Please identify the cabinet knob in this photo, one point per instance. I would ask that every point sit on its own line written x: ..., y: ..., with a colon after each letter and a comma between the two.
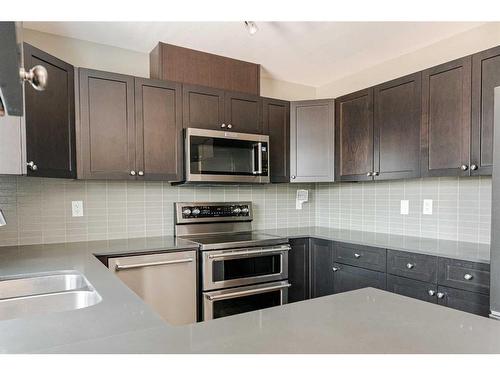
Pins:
x: 335, y: 269
x: 32, y: 165
x: 140, y: 173
x: 223, y: 126
x: 440, y: 295
x: 369, y: 174
x: 375, y: 173
x: 356, y: 255
x: 464, y: 167
x: 229, y: 126
x: 431, y: 292
x: 132, y: 173
x: 410, y: 266
x: 293, y: 177
x: 36, y: 76
x: 473, y: 167
x: 468, y: 276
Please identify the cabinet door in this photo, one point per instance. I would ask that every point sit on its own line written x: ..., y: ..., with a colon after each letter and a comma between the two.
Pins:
x: 158, y: 113
x: 276, y: 124
x: 485, y: 77
x: 348, y: 278
x: 298, y: 270
x: 322, y: 258
x: 412, y: 288
x: 397, y: 106
x: 446, y: 119
x: 474, y: 303
x: 50, y: 118
x: 354, y: 136
x: 312, y: 141
x: 107, y: 125
x: 203, y: 107
x: 243, y: 113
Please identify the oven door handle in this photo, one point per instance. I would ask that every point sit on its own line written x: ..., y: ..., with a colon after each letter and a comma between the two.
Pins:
x: 246, y: 292
x: 250, y: 252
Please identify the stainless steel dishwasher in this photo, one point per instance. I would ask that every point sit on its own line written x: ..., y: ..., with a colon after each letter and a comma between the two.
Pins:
x: 166, y: 282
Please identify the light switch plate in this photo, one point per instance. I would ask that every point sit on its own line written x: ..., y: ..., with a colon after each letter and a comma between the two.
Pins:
x: 427, y: 210
x: 77, y: 208
x: 405, y: 207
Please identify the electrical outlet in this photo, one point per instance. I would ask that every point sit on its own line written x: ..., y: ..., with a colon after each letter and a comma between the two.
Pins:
x: 77, y: 208
x: 405, y: 207
x: 427, y: 207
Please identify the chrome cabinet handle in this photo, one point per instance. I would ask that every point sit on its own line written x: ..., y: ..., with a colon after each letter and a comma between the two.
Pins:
x: 410, y: 266
x: 119, y: 267
x: 431, y: 292
x: 132, y: 173
x: 140, y: 173
x: 335, y: 269
x: 229, y: 126
x: 464, y: 167
x: 376, y: 173
x: 250, y: 252
x: 473, y: 167
x: 293, y: 177
x: 246, y: 292
x: 36, y: 76
x: 468, y: 276
x: 356, y: 255
x: 369, y: 174
x: 32, y: 165
x: 440, y: 295
x: 223, y: 126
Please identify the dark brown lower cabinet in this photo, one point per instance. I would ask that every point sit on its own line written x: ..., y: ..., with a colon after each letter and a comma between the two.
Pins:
x: 412, y: 288
x: 298, y: 270
x: 475, y: 303
x: 322, y: 259
x: 346, y: 278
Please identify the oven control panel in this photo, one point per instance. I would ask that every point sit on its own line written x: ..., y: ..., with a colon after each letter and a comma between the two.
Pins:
x: 230, y: 211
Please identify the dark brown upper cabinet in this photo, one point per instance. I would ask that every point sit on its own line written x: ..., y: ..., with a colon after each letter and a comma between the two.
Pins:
x: 158, y: 126
x: 130, y: 128
x: 50, y: 118
x: 485, y: 77
x: 107, y: 125
x: 276, y: 124
x: 243, y: 113
x: 446, y: 119
x: 397, y: 115
x: 203, y: 107
x: 174, y: 63
x: 354, y: 136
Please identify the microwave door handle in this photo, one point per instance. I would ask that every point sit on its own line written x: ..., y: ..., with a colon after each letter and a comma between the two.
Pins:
x: 259, y: 157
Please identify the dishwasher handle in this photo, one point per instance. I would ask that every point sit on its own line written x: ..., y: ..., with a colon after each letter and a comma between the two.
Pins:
x: 119, y: 267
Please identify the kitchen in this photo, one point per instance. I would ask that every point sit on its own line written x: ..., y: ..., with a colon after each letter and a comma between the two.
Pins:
x: 179, y: 200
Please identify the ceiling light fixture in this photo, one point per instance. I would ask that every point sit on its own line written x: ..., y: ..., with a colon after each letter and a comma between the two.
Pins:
x: 251, y: 27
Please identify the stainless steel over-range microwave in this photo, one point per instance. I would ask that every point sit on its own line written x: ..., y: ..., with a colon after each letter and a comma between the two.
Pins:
x: 222, y: 156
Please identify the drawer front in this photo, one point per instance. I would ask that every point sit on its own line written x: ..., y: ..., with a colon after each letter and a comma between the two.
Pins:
x: 346, y: 278
x: 361, y: 256
x: 474, y: 303
x: 474, y: 277
x: 414, y: 266
x: 412, y: 288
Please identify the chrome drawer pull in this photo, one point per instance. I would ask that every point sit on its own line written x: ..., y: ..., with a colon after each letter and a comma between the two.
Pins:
x: 140, y: 265
x: 335, y: 269
x: 247, y: 292
x: 250, y: 252
x: 356, y: 255
x: 410, y: 266
x: 431, y: 292
x: 468, y: 276
x: 440, y: 295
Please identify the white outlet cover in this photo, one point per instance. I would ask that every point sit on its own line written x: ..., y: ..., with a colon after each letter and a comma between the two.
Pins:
x: 427, y: 207
x: 77, y: 208
x: 405, y: 207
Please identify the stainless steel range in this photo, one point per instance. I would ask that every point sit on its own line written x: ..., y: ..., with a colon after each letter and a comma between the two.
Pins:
x: 240, y: 270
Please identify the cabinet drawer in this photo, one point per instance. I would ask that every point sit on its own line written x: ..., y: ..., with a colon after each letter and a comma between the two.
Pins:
x: 414, y: 266
x: 474, y: 303
x: 412, y: 288
x: 460, y: 274
x: 346, y: 278
x: 361, y: 256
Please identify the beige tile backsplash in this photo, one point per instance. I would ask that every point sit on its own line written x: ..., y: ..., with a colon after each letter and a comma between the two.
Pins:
x: 38, y: 210
x: 461, y: 207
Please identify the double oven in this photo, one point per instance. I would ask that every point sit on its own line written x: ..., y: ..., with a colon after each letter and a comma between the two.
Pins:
x: 239, y: 270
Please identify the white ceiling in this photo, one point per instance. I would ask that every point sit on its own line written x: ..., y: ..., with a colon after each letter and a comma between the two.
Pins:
x: 310, y: 53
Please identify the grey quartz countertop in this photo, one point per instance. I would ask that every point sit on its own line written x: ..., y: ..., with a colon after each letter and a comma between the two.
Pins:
x: 474, y: 252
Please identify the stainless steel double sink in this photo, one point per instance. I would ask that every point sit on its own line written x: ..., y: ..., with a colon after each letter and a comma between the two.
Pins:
x: 33, y: 294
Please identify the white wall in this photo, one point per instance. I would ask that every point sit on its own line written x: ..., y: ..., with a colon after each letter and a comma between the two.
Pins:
x: 468, y: 42
x: 103, y: 57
